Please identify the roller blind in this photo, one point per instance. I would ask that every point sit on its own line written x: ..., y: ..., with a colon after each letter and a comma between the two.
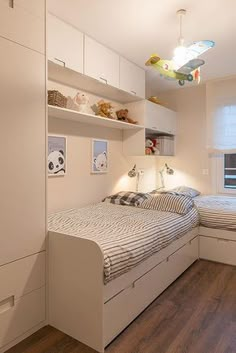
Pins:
x: 221, y: 115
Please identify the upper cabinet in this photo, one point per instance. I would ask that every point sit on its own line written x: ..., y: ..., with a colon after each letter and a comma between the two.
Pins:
x: 160, y: 125
x: 101, y: 63
x: 159, y: 118
x: 132, y: 78
x: 65, y: 44
x: 112, y: 76
x: 23, y: 21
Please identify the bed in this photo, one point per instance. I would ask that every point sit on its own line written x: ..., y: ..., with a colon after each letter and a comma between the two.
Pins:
x: 217, y: 229
x: 103, y: 256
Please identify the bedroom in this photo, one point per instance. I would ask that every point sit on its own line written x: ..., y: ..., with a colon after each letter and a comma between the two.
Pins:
x: 69, y: 157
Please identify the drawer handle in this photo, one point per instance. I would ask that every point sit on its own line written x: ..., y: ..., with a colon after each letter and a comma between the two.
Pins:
x: 133, y: 92
x: 103, y: 79
x: 222, y: 240
x: 61, y: 61
x: 7, y: 304
x: 11, y: 4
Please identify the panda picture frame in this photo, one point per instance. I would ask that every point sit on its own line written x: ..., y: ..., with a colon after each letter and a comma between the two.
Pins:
x: 57, y: 155
x: 100, y: 152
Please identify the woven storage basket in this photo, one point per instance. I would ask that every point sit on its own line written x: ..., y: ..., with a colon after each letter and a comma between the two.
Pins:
x: 57, y: 99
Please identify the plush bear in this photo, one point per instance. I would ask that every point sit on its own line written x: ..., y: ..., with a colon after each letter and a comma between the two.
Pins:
x: 56, y: 162
x: 122, y: 115
x: 149, y: 147
x: 100, y: 162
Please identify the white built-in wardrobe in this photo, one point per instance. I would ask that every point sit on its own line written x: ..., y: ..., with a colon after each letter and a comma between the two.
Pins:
x: 22, y: 178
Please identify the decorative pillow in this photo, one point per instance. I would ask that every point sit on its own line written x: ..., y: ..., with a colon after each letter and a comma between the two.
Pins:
x: 127, y: 198
x: 169, y: 203
x: 184, y: 190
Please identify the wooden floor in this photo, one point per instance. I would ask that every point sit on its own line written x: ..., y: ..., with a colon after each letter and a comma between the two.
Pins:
x: 196, y: 314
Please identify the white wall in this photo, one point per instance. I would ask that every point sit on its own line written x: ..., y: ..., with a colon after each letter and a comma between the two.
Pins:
x: 191, y: 154
x: 79, y: 187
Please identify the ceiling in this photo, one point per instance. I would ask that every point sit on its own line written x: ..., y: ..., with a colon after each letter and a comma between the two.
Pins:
x: 138, y: 28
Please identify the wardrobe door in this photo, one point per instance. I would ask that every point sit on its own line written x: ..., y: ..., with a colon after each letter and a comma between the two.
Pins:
x: 22, y: 146
x: 23, y: 21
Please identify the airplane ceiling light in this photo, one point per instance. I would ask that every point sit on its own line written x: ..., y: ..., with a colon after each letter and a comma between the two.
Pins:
x: 185, y: 65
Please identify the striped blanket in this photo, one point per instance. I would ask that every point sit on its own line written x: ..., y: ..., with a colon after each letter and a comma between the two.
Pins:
x: 217, y: 211
x: 127, y: 235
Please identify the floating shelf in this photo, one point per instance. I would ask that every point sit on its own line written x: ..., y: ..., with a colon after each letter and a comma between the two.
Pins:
x: 67, y: 114
x: 77, y: 80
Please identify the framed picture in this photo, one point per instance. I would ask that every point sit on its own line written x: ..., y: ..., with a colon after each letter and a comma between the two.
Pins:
x: 57, y: 149
x: 99, y: 156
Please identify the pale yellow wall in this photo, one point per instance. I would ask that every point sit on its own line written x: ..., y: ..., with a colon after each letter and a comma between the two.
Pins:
x: 191, y: 153
x: 79, y: 187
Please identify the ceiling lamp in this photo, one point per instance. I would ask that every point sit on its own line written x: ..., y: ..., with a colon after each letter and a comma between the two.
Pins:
x: 180, y: 51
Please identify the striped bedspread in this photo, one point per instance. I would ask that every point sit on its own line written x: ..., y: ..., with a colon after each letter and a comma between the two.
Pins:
x: 127, y: 235
x: 217, y: 211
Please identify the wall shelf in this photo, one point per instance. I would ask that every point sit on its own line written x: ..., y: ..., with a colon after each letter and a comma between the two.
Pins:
x: 67, y: 114
x: 80, y: 81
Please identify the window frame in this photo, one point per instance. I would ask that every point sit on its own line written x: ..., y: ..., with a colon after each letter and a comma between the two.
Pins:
x: 220, y: 175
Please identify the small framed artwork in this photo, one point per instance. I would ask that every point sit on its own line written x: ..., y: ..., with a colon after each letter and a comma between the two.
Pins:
x: 57, y: 149
x: 99, y: 156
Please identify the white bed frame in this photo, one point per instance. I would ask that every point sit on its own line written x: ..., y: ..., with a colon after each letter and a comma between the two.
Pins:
x: 93, y: 313
x: 217, y: 245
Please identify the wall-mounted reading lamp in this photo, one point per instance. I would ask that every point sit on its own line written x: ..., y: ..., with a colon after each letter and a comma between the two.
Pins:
x: 168, y: 171
x: 135, y: 173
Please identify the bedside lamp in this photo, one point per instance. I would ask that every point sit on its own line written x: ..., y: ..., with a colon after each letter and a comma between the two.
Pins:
x: 168, y: 171
x: 135, y: 173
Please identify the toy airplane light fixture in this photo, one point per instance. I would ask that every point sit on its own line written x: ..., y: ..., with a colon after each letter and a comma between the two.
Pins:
x: 185, y: 65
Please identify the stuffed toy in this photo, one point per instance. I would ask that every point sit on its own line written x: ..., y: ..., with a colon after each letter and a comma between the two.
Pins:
x: 80, y: 103
x: 149, y: 147
x: 155, y: 146
x: 103, y: 109
x: 122, y: 115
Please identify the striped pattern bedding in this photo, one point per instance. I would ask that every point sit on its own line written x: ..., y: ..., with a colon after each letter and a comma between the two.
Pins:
x: 127, y: 235
x: 217, y: 211
x: 169, y: 203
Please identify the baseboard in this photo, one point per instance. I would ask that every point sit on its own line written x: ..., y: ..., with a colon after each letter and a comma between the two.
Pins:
x: 22, y: 337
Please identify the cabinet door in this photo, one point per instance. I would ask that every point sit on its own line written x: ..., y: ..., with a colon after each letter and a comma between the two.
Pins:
x: 65, y: 44
x: 160, y: 118
x: 101, y: 63
x: 22, y: 146
x: 23, y: 21
x: 132, y: 78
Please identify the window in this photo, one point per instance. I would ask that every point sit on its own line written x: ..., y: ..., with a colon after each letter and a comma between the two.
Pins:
x: 230, y: 171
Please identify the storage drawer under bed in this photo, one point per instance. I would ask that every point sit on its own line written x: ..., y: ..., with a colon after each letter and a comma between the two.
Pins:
x: 122, y: 309
x: 217, y: 249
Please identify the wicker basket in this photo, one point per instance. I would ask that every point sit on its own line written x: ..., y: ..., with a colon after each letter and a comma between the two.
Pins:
x: 57, y: 99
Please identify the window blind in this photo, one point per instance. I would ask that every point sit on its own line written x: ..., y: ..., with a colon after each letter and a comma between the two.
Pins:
x: 221, y: 115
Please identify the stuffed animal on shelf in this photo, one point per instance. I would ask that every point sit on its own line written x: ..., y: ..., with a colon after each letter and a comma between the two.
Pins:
x: 156, y: 146
x: 122, y: 115
x: 103, y: 109
x: 149, y: 147
x: 80, y: 103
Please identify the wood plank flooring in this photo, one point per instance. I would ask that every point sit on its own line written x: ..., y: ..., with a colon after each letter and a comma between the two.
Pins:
x: 196, y: 314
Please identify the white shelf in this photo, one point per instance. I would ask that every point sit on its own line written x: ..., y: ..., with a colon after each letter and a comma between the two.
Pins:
x: 67, y: 114
x: 77, y: 80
